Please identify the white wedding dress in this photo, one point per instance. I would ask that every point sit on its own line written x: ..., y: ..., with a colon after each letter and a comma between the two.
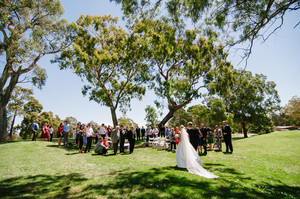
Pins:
x: 187, y: 157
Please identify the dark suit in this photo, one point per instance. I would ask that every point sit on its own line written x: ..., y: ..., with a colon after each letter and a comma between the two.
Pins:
x: 138, y: 133
x: 194, y: 136
x: 131, y: 139
x: 226, y: 130
x: 203, y: 138
x: 162, y: 131
x: 122, y: 139
x: 143, y: 130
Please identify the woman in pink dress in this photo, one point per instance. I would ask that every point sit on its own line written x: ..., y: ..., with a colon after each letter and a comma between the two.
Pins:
x: 45, y: 132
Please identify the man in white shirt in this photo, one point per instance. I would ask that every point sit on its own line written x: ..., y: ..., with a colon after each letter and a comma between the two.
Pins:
x: 155, y: 131
x: 89, y: 136
x: 102, y: 131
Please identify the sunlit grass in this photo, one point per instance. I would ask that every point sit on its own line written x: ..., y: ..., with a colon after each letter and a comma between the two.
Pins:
x: 265, y: 166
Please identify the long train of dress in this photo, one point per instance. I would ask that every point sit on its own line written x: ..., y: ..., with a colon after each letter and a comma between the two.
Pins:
x: 187, y: 157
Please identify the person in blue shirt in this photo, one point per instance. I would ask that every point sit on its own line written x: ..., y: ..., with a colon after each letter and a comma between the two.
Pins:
x: 168, y: 131
x: 66, y: 129
x: 35, y: 129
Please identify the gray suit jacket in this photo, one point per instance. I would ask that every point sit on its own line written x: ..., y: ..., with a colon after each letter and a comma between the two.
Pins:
x: 114, y: 136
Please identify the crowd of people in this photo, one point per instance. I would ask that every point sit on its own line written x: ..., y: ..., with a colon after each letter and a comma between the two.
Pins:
x: 203, y: 139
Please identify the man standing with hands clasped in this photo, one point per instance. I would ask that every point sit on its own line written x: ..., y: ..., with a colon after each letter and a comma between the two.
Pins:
x: 226, y: 130
x: 66, y: 129
x: 115, y: 134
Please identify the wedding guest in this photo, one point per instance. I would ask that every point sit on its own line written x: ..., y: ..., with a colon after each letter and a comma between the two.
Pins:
x: 200, y: 144
x: 177, y: 134
x: 50, y: 132
x: 155, y: 132
x: 109, y: 131
x: 204, y: 135
x: 100, y: 148
x: 193, y: 135
x: 168, y: 132
x: 218, y: 142
x: 115, y: 135
x: 138, y: 133
x: 226, y: 130
x: 127, y: 129
x: 122, y: 138
x: 89, y: 136
x: 84, y: 135
x: 148, y: 133
x: 210, y: 137
x: 77, y: 133
x: 143, y: 131
x: 60, y: 134
x: 102, y: 131
x: 35, y: 129
x: 97, y: 135
x: 74, y: 135
x: 106, y: 132
x: 105, y: 142
x: 81, y: 131
x: 45, y: 132
x: 172, y: 139
x: 162, y: 131
x: 66, y: 129
x: 131, y: 139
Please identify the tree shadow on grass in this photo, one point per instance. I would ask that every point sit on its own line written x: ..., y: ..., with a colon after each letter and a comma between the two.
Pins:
x: 161, y: 183
x: 165, y: 182
x: 67, y: 148
x: 46, y: 186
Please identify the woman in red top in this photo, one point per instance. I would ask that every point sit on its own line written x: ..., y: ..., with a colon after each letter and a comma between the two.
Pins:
x: 60, y: 133
x: 177, y: 133
x: 45, y: 132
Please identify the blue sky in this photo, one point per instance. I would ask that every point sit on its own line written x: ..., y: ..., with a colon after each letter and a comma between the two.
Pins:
x: 278, y: 59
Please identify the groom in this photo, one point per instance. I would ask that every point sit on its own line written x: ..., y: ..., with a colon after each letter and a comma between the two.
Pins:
x: 194, y: 135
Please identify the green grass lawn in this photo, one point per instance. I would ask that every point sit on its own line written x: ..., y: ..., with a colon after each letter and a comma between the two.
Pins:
x: 264, y: 166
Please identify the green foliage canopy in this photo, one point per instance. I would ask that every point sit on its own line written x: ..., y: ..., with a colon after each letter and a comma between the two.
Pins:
x: 251, y: 100
x: 183, y: 64
x: 29, y: 30
x: 110, y: 59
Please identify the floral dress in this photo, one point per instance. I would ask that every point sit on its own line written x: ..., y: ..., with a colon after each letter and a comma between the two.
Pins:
x: 218, y: 142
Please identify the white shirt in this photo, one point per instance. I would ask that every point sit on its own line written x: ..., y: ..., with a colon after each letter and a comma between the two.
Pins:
x: 89, y: 131
x: 155, y: 130
x: 102, y: 130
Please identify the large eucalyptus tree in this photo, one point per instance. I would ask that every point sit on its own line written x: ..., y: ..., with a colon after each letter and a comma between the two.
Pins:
x: 29, y: 30
x: 111, y: 60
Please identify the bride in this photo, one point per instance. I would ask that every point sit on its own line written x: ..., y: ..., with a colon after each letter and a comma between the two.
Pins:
x: 187, y: 157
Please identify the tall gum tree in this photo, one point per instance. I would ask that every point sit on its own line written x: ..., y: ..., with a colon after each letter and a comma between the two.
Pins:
x: 251, y: 100
x: 111, y: 60
x: 183, y: 65
x: 29, y: 30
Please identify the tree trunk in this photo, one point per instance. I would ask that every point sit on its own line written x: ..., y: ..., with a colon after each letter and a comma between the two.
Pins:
x: 245, y: 130
x: 166, y: 118
x: 173, y: 107
x: 3, y: 122
x: 12, y: 125
x: 114, y: 116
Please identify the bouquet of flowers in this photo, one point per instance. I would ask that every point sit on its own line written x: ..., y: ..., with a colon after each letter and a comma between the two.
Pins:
x: 177, y: 136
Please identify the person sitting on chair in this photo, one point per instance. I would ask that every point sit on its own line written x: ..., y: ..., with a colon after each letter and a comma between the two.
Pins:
x: 100, y: 148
